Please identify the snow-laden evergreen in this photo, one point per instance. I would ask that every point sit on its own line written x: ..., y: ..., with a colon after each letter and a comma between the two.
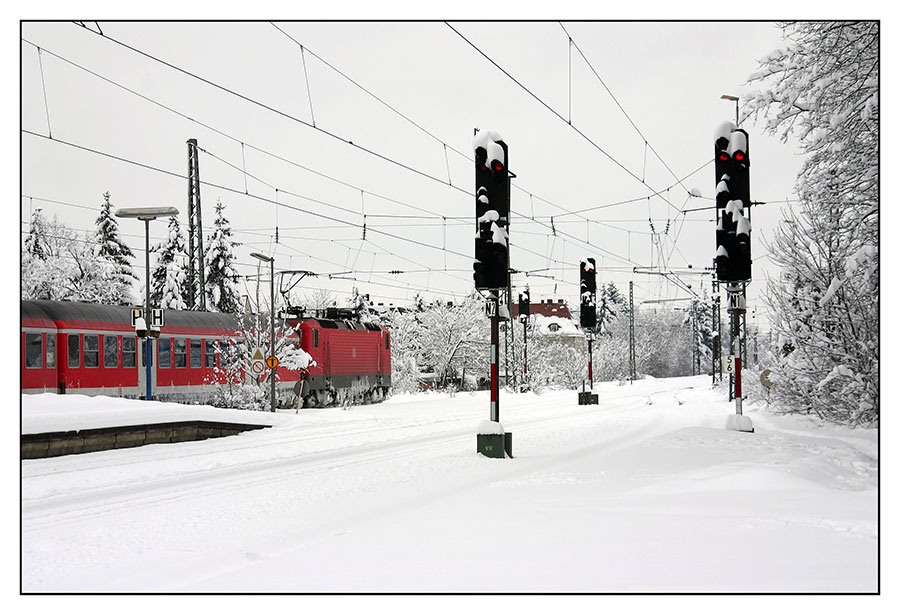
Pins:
x: 222, y: 279
x: 168, y: 282
x: 115, y: 258
x: 822, y: 90
x: 59, y: 265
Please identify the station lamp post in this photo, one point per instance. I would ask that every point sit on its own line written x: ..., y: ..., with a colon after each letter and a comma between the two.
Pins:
x: 147, y: 214
x: 735, y: 99
x: 271, y: 261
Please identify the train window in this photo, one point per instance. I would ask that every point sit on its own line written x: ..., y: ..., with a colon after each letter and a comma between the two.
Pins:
x: 51, y: 350
x: 196, y: 359
x: 74, y: 351
x: 315, y: 338
x: 387, y: 341
x: 180, y: 353
x: 110, y: 351
x: 128, y: 351
x: 34, y: 350
x: 92, y: 351
x: 164, y: 347
x: 210, y: 354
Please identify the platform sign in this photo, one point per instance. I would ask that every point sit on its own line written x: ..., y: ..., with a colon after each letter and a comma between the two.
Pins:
x: 157, y: 317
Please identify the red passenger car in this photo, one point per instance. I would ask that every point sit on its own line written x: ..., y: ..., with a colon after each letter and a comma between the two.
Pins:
x: 91, y: 349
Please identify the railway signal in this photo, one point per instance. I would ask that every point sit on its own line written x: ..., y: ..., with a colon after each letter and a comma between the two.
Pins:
x: 588, y: 274
x: 491, y: 211
x: 588, y: 293
x: 732, y: 168
x: 491, y: 266
x: 733, y: 266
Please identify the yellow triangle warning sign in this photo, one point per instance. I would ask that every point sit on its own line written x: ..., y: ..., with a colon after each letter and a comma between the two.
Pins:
x: 258, y: 355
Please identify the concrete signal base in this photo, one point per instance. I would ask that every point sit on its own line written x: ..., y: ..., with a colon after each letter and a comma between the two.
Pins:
x: 739, y: 422
x: 496, y: 445
x: 586, y: 398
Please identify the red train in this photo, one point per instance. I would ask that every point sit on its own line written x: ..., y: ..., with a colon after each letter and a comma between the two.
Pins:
x: 91, y: 349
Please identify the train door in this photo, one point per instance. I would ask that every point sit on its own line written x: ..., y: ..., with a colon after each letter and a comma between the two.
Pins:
x: 142, y: 370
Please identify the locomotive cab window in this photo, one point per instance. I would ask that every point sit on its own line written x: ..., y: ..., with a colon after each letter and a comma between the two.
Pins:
x: 34, y: 350
x: 315, y: 338
x: 128, y: 352
x: 92, y: 351
x: 74, y: 351
x: 110, y: 351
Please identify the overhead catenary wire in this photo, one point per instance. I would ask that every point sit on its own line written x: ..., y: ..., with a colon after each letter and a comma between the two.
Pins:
x: 302, y: 122
x: 575, y: 239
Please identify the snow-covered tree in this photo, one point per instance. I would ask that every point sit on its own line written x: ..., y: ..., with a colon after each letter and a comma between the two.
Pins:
x: 611, y: 304
x: 451, y: 336
x: 222, y: 279
x: 115, y: 258
x: 316, y: 301
x: 37, y: 242
x: 236, y: 386
x: 448, y: 340
x: 823, y: 91
x: 59, y: 265
x: 168, y: 282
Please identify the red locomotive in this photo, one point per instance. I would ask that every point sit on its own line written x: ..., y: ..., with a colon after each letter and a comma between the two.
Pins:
x: 91, y: 349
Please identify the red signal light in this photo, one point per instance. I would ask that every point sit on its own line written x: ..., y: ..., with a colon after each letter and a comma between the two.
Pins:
x: 739, y: 156
x: 723, y: 156
x: 498, y: 166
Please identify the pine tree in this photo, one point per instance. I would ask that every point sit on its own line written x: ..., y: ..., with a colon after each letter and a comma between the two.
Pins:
x: 115, y: 258
x: 222, y: 279
x: 168, y: 282
x: 36, y: 243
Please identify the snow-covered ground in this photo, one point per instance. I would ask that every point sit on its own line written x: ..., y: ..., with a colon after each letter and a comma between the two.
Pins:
x: 646, y: 492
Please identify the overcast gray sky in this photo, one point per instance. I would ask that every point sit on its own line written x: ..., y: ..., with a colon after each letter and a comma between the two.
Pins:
x: 601, y: 134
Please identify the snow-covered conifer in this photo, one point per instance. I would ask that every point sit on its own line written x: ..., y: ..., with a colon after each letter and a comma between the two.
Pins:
x: 171, y: 256
x: 222, y: 279
x: 115, y: 257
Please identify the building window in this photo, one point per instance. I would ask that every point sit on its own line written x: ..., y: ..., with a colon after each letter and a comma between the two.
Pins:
x: 315, y: 338
x: 34, y: 350
x: 74, y: 351
x: 196, y: 358
x: 110, y: 351
x: 387, y: 341
x: 51, y: 350
x: 180, y: 352
x: 92, y: 351
x: 165, y: 352
x: 553, y: 327
x: 128, y: 352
